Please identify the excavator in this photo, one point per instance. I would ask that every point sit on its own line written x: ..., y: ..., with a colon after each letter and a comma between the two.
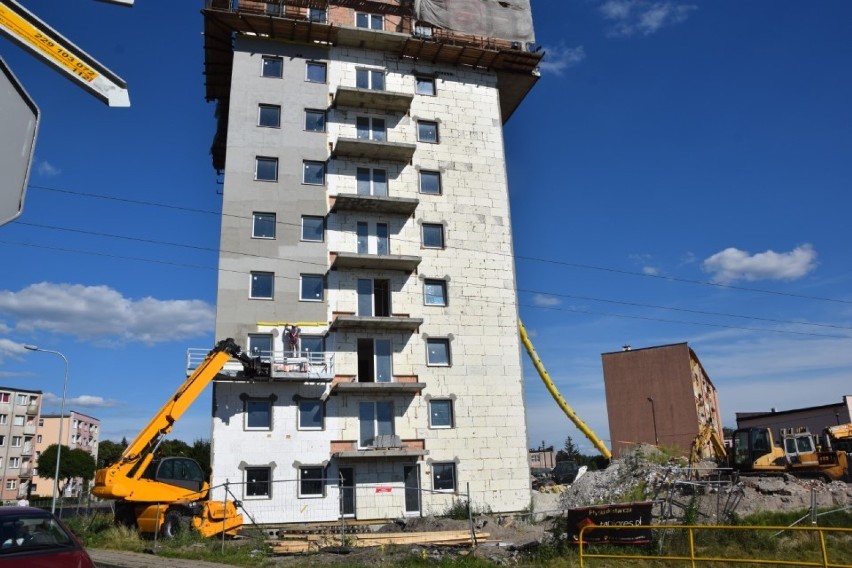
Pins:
x: 156, y: 494
x: 755, y: 452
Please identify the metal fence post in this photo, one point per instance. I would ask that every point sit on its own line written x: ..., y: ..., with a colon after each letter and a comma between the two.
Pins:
x: 156, y: 525
x: 470, y: 517
x: 224, y: 512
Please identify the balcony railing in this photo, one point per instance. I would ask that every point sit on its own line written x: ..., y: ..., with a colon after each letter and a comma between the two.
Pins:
x: 295, y: 365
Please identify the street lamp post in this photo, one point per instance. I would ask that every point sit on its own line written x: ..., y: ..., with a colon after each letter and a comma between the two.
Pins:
x: 654, y: 418
x: 61, y: 418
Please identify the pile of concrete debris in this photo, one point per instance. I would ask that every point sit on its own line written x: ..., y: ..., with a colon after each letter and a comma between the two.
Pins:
x: 645, y: 474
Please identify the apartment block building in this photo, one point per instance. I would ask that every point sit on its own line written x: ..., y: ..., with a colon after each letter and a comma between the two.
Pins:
x: 659, y: 395
x: 19, y: 415
x: 79, y: 431
x: 366, y: 254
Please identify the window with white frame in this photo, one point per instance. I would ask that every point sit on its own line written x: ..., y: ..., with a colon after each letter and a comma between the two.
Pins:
x: 430, y: 182
x: 272, y: 66
x: 372, y: 238
x: 262, y: 285
x: 258, y: 414
x: 370, y: 128
x: 372, y: 181
x: 423, y: 31
x: 311, y: 414
x: 444, y: 476
x: 427, y: 131
x: 314, y: 120
x: 21, y: 399
x: 313, y: 228
x: 266, y: 168
x: 313, y: 173
x: 441, y: 413
x: 17, y: 420
x: 433, y: 235
x: 260, y: 345
x: 369, y: 21
x: 434, y: 292
x: 269, y: 116
x: 315, y: 72
x: 375, y: 418
x: 263, y: 225
x: 311, y: 483
x: 5, y: 418
x: 14, y: 462
x: 38, y: 439
x: 11, y: 484
x: 373, y: 79
x: 258, y: 482
x: 311, y: 288
x: 17, y: 441
x: 438, y: 352
x: 424, y: 85
x: 4, y: 397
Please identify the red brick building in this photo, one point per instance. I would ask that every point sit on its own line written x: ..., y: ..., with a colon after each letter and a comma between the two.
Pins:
x: 658, y: 395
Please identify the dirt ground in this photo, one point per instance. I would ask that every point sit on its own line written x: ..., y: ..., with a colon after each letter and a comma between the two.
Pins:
x: 638, y: 476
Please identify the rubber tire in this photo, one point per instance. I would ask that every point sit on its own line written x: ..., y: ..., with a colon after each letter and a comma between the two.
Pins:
x: 174, y: 525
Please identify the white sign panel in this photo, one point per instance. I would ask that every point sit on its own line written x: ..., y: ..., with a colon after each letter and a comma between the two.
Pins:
x: 18, y: 127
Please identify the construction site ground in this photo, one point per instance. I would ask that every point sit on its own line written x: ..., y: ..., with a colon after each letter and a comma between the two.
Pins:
x: 505, y: 539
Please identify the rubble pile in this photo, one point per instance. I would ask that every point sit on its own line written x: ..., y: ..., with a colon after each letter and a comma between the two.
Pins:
x: 645, y: 474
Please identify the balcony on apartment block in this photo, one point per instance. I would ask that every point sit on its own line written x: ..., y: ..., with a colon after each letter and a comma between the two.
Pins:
x: 291, y: 365
x: 367, y: 149
x: 364, y: 261
x: 27, y: 450
x: 32, y: 409
x: 379, y: 204
x: 26, y: 470
x: 344, y: 321
x: 372, y: 99
x: 382, y: 446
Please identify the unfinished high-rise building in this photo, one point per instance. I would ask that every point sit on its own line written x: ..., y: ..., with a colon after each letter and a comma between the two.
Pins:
x: 366, y: 254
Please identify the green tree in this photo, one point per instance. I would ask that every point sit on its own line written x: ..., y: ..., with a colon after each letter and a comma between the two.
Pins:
x: 569, y: 451
x: 73, y: 463
x: 109, y: 452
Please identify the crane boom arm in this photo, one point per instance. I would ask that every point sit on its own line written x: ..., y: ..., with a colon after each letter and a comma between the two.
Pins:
x: 560, y: 400
x: 140, y: 452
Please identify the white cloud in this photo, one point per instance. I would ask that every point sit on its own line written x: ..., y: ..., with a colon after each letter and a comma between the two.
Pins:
x: 642, y: 17
x: 543, y: 300
x: 733, y: 264
x: 86, y: 400
x: 47, y: 169
x: 558, y: 59
x: 650, y: 270
x: 102, y: 313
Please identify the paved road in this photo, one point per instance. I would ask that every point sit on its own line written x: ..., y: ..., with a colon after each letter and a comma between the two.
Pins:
x: 119, y: 559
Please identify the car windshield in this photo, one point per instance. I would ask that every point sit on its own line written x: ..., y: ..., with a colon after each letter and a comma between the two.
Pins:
x: 30, y: 531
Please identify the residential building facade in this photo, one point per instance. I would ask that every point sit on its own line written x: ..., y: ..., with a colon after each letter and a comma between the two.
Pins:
x: 79, y: 431
x: 366, y: 254
x: 658, y: 395
x: 19, y: 415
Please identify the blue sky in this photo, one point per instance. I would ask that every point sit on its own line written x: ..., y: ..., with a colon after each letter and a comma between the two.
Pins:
x: 681, y: 172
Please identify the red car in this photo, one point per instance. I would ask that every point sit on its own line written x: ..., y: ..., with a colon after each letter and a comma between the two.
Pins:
x: 34, y: 538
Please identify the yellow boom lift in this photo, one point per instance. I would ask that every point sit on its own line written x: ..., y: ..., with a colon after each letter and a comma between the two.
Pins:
x: 155, y: 494
x: 560, y: 400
